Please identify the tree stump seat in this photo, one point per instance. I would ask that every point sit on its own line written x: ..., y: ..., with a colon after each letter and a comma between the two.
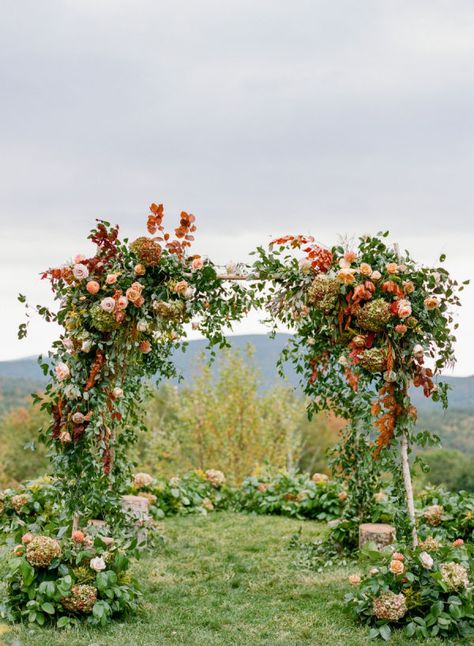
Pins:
x: 381, y: 534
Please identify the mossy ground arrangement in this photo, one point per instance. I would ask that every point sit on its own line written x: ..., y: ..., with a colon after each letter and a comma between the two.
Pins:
x: 227, y: 579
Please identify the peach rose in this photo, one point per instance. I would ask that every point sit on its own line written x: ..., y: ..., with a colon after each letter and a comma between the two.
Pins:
x: 350, y: 256
x: 432, y: 302
x: 396, y: 567
x: 365, y: 269
x: 27, y: 538
x: 181, y: 287
x: 140, y: 270
x: 111, y: 279
x: 92, y: 287
x: 403, y: 308
x: 65, y: 437
x: 197, y: 263
x: 408, y: 287
x: 401, y: 328
x: 397, y: 556
x: 458, y: 542
x: 391, y: 267
x: 354, y: 579
x: 346, y: 276
x: 133, y: 294
x: 376, y: 275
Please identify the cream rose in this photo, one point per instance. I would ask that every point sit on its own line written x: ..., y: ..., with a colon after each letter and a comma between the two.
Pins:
x: 426, y: 560
x: 108, y: 304
x: 80, y: 271
x: 62, y: 371
x: 97, y: 564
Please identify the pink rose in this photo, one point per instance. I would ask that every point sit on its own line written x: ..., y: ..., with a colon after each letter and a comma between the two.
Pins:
x: 79, y: 258
x: 92, y: 287
x: 111, y: 279
x: 77, y: 418
x: 122, y: 302
x: 458, y: 542
x: 197, y: 263
x: 80, y: 271
x: 403, y: 308
x: 108, y: 304
x: 27, y: 538
x: 375, y: 275
x: 62, y: 371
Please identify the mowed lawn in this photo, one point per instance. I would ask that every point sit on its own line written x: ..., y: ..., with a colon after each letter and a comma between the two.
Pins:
x: 226, y: 579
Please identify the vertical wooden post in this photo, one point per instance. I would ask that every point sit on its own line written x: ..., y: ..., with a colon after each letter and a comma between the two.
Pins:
x: 408, y: 485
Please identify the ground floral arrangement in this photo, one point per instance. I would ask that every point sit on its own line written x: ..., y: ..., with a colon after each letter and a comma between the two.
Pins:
x: 84, y: 576
x: 367, y: 322
x: 427, y: 590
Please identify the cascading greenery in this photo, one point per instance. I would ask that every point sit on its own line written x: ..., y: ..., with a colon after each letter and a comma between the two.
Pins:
x: 123, y: 312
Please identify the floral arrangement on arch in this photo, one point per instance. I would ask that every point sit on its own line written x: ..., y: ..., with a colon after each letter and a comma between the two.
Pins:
x: 368, y: 323
x: 123, y: 311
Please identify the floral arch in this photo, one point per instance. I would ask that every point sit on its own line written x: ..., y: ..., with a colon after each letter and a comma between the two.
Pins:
x: 363, y: 320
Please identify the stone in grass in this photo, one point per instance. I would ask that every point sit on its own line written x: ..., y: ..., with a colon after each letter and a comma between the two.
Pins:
x: 380, y: 534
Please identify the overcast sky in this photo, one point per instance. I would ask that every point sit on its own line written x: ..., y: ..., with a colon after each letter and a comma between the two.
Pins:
x: 260, y: 117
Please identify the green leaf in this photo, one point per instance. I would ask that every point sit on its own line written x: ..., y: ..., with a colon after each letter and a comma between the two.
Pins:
x: 385, y: 632
x: 63, y: 621
x: 48, y: 607
x: 27, y: 573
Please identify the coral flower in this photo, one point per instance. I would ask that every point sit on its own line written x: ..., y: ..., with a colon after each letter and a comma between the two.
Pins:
x: 145, y: 347
x: 78, y: 536
x: 365, y: 269
x: 197, y: 263
x: 391, y: 267
x: 92, y: 287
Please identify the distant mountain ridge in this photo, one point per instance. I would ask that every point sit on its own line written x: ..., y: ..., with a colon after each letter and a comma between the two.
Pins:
x: 26, y: 372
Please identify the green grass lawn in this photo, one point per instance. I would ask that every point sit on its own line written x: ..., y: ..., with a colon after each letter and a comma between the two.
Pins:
x: 226, y: 579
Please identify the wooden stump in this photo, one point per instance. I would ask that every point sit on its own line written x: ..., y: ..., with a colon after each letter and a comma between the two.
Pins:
x: 137, y: 507
x: 379, y: 533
